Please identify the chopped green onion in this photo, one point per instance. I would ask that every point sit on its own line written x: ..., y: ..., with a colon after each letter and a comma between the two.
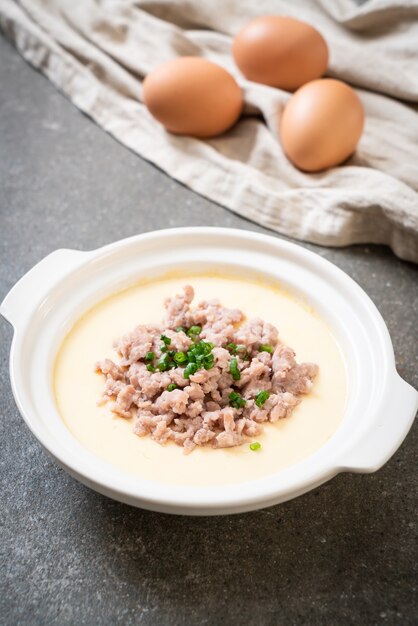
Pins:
x: 150, y: 356
x: 208, y: 361
x: 190, y: 369
x: 163, y: 348
x: 265, y: 347
x: 191, y: 356
x: 239, y: 349
x: 233, y: 368
x: 165, y: 339
x: 164, y: 363
x: 171, y: 387
x: 194, y: 331
x: 261, y: 398
x: 255, y: 446
x: 236, y: 401
x: 202, y: 347
x: 180, y: 358
x: 150, y: 368
x: 198, y: 356
x: 180, y: 329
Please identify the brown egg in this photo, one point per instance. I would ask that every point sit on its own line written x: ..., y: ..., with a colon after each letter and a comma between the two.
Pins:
x: 321, y: 124
x: 280, y: 51
x: 192, y: 96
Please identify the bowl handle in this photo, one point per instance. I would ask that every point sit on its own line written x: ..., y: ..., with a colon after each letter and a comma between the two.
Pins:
x: 389, y: 431
x: 34, y: 284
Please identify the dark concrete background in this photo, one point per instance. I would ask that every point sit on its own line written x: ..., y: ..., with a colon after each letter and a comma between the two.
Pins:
x: 343, y: 554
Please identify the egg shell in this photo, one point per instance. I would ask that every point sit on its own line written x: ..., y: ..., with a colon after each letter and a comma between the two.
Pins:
x: 321, y: 124
x: 193, y: 96
x: 280, y: 52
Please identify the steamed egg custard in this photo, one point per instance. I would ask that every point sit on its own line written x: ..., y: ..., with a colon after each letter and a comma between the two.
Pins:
x: 275, y: 446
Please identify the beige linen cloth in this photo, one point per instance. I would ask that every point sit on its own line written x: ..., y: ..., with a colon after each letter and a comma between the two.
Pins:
x: 97, y: 52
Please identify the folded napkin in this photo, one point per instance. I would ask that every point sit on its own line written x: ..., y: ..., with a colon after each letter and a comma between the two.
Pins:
x: 98, y: 51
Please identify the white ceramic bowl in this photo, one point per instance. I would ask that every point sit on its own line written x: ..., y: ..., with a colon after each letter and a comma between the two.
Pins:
x: 45, y: 303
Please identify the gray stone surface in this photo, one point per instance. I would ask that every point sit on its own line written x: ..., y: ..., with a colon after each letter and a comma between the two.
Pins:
x: 343, y: 554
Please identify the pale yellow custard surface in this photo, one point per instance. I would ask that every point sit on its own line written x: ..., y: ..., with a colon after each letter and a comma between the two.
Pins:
x: 78, y: 387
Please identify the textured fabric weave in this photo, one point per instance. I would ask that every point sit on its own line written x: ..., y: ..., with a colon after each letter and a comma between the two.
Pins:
x: 97, y: 52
